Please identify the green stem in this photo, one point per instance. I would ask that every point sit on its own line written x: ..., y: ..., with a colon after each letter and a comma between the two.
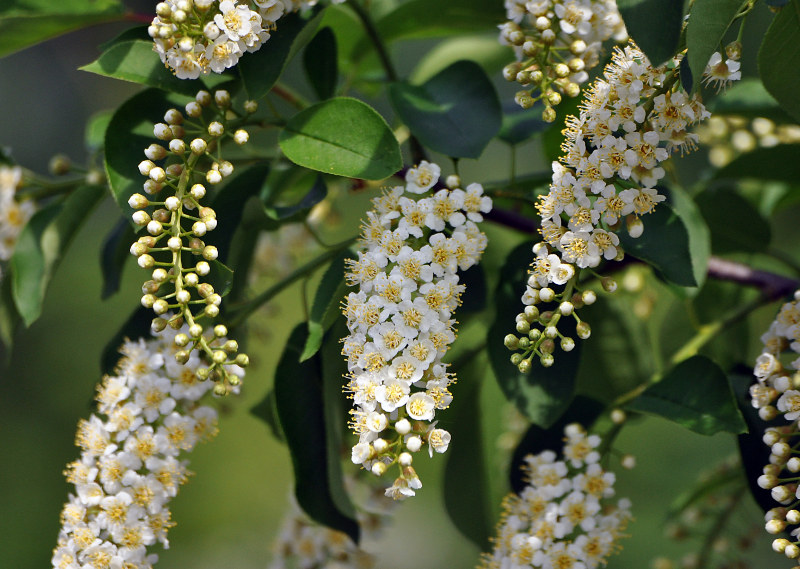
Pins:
x: 241, y: 313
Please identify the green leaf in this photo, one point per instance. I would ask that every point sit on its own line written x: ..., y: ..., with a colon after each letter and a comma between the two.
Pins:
x: 41, y: 245
x: 129, y: 132
x: 655, y: 26
x: 220, y: 277
x: 135, y: 61
x: 301, y: 409
x: 344, y: 137
x: 96, y: 130
x: 520, y: 124
x: 24, y: 23
x: 9, y: 321
x: 456, y: 112
x: 777, y: 163
x: 664, y: 245
x: 466, y: 486
x: 544, y: 394
x: 475, y: 297
x: 748, y: 98
x: 708, y: 22
x: 779, y: 55
x: 697, y: 230
x: 727, y: 214
x: 116, y: 250
x: 296, y: 212
x: 260, y: 70
x: 694, y: 394
x: 484, y: 50
x: 325, y: 308
x: 321, y: 64
x: 267, y: 411
x: 582, y: 410
x: 552, y: 137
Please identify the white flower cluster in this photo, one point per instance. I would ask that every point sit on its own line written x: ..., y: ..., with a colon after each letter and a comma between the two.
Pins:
x: 195, y: 37
x: 13, y: 214
x: 564, y: 518
x: 176, y: 223
x: 556, y: 42
x: 148, y: 414
x: 630, y: 122
x: 401, y: 321
x: 775, y: 394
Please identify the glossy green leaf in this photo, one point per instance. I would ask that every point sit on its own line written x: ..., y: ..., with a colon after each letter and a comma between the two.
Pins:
x: 115, y: 251
x: 301, y: 410
x: 696, y: 229
x: 543, y: 394
x: 41, y: 245
x: 326, y: 306
x: 777, y: 163
x: 779, y: 53
x: 344, y: 137
x: 708, y: 22
x: 734, y: 223
x: 321, y: 63
x: 129, y: 132
x: 521, y: 124
x: 655, y: 26
x: 664, y: 245
x: 456, y: 112
x: 466, y: 486
x: 582, y: 410
x: 297, y: 211
x: 484, y: 50
x: 220, y: 277
x: 135, y: 61
x: 748, y: 98
x: 96, y: 130
x: 694, y: 394
x: 260, y: 70
x: 24, y: 23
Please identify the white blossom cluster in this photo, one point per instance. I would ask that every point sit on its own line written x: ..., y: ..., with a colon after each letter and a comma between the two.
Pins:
x: 148, y: 414
x: 195, y: 37
x: 176, y: 223
x: 401, y: 319
x: 630, y: 122
x: 564, y: 517
x: 556, y: 42
x: 13, y: 214
x: 775, y: 394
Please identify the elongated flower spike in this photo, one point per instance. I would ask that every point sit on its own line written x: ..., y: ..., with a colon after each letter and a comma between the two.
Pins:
x: 187, y: 159
x: 401, y: 319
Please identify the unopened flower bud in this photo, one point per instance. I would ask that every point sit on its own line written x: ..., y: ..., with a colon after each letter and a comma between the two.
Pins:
x: 403, y: 426
x: 210, y: 253
x: 213, y: 177
x: 414, y: 443
x: 583, y: 330
x: 525, y: 366
x: 211, y: 310
x: 243, y: 360
x: 542, y: 23
x: 511, y: 342
x: 609, y: 284
x: 567, y: 344
x: 203, y: 97
x: 195, y: 330
x: 378, y: 468
x: 549, y: 115
x: 202, y: 268
x: 546, y: 294
x: 222, y: 98
x: 160, y: 306
x: 250, y: 106
x: 216, y: 129
x: 241, y: 137
x: 547, y: 360
x: 146, y: 261
x: 157, y: 325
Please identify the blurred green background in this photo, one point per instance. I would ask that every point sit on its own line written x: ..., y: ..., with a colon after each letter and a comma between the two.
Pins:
x: 230, y: 510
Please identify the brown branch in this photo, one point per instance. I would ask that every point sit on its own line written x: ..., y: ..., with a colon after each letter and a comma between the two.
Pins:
x: 771, y: 285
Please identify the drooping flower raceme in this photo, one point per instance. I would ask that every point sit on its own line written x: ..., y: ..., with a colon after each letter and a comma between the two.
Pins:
x: 196, y: 37
x: 630, y: 122
x: 148, y: 414
x: 776, y: 396
x: 401, y: 319
x: 176, y: 224
x: 14, y: 213
x: 556, y: 42
x: 565, y: 517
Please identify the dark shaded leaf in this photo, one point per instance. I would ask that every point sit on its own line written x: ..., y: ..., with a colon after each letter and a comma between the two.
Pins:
x: 301, y: 410
x: 474, y: 297
x: 320, y: 61
x: 777, y: 163
x: 344, y: 137
x: 267, y: 411
x: 298, y: 211
x: 483, y: 49
x: 694, y: 394
x: 780, y: 52
x: 41, y: 245
x: 727, y: 213
x: 115, y: 252
x: 655, y: 26
x: 748, y: 98
x: 544, y: 394
x: 582, y: 410
x: 520, y: 124
x: 436, y: 110
x: 708, y: 22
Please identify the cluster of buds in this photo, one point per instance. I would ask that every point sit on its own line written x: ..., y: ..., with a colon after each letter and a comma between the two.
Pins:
x: 176, y: 223
x: 776, y: 395
x: 556, y: 42
x: 729, y: 136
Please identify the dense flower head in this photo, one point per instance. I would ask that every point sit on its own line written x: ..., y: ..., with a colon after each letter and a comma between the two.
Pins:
x: 196, y: 37
x: 14, y: 212
x: 776, y: 396
x: 401, y: 323
x: 630, y: 121
x: 556, y: 43
x: 177, y: 169
x: 148, y: 414
x: 565, y: 516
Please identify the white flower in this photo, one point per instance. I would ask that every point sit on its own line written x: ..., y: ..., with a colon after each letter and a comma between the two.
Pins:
x: 422, y: 178
x: 421, y: 407
x: 721, y: 73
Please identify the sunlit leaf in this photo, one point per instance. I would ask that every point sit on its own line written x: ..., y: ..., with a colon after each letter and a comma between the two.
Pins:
x: 484, y: 50
x: 342, y: 136
x: 706, y: 27
x: 780, y: 52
